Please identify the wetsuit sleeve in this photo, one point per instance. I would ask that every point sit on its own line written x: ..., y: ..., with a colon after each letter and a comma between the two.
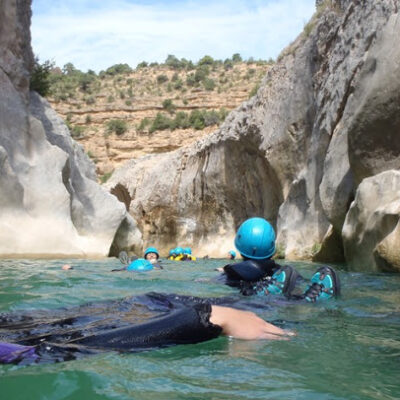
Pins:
x: 182, y: 326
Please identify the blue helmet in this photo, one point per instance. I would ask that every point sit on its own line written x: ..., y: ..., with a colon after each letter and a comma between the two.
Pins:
x: 171, y: 252
x: 151, y: 250
x: 232, y: 253
x: 255, y: 239
x: 178, y: 250
x: 187, y: 250
x: 140, y: 265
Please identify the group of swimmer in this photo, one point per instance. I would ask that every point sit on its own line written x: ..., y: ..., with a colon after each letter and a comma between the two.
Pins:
x: 199, y: 319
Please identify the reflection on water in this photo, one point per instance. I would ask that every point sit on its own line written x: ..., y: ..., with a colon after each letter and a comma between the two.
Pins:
x: 345, y: 349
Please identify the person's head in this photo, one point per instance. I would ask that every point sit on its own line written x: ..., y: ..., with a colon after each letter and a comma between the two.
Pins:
x: 255, y: 239
x: 187, y: 250
x: 172, y: 253
x: 231, y: 254
x: 151, y: 254
x: 178, y: 250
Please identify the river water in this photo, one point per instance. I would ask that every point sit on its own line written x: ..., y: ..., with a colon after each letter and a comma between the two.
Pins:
x: 345, y: 349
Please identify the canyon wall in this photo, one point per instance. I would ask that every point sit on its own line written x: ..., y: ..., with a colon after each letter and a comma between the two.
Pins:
x: 50, y: 203
x: 325, y: 120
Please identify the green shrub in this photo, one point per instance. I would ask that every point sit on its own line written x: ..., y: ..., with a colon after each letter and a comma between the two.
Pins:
x: 110, y: 99
x: 237, y: 58
x: 162, y: 79
x: 117, y: 126
x: 144, y: 123
x: 119, y: 69
x: 209, y: 84
x: 77, y: 131
x: 178, y: 84
x: 121, y: 94
x: 90, y: 100
x: 175, y: 77
x: 254, y: 91
x: 128, y: 102
x: 181, y: 120
x: 206, y: 60
x: 40, y: 77
x: 190, y: 80
x: 160, y: 123
x: 168, y: 105
x: 143, y: 64
x: 104, y: 178
x: 88, y: 119
x: 201, y: 73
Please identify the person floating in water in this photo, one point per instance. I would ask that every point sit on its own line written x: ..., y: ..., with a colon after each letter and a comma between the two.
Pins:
x: 129, y: 325
x: 148, y: 263
x: 231, y: 254
x: 259, y: 274
x: 151, y: 255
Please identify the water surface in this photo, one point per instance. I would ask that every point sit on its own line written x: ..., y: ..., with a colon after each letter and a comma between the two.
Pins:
x: 344, y: 349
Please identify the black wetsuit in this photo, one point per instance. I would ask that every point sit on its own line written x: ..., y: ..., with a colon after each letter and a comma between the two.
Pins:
x: 253, y: 276
x: 133, y: 324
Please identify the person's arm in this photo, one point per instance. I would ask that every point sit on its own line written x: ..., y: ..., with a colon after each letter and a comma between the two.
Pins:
x: 245, y: 324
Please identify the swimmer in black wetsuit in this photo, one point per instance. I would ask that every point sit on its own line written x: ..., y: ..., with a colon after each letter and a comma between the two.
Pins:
x: 259, y: 274
x: 133, y: 324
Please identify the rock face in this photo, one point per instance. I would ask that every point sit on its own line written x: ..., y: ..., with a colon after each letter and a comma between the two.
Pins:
x: 50, y: 202
x: 325, y: 118
x: 371, y: 230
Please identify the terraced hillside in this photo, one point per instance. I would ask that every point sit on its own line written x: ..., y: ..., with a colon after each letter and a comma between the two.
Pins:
x: 123, y: 113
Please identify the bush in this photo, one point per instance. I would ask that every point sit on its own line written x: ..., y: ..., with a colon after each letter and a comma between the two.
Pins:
x: 181, y: 120
x: 40, y: 77
x: 168, y: 105
x: 144, y: 123
x: 143, y: 64
x: 160, y: 123
x: 162, y: 79
x: 117, y: 126
x: 206, y: 60
x: 119, y: 69
x: 128, y: 103
x: 77, y: 131
x: 178, y: 84
x: 201, y: 73
x: 237, y: 58
x: 88, y: 119
x: 90, y: 100
x: 110, y: 99
x: 209, y: 84
x: 190, y: 80
x: 104, y: 178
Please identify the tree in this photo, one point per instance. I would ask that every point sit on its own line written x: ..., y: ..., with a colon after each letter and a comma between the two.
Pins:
x: 40, y: 77
x: 237, y: 58
x: 206, y: 60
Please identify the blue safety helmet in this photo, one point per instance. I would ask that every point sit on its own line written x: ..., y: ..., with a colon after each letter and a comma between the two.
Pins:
x: 178, y: 250
x: 255, y: 239
x: 187, y: 250
x: 151, y: 250
x: 171, y: 252
x: 140, y: 265
x: 232, y: 253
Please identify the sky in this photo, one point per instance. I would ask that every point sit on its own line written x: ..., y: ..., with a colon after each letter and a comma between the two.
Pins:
x: 96, y: 34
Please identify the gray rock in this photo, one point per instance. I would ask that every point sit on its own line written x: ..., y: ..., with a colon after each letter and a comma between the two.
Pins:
x: 371, y: 229
x: 50, y: 202
x: 287, y: 154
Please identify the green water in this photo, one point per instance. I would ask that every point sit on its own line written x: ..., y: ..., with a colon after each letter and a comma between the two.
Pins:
x: 345, y: 349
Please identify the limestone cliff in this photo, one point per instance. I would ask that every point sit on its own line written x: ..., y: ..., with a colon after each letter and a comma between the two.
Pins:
x: 325, y: 118
x: 50, y: 202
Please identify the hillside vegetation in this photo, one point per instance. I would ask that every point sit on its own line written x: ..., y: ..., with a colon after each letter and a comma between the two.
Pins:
x: 123, y: 113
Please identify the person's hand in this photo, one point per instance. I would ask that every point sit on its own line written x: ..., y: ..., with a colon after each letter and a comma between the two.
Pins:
x: 245, y: 325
